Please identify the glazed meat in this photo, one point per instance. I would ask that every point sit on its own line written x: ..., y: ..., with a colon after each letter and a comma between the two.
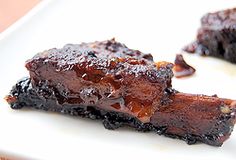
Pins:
x: 104, y: 74
x: 217, y: 35
x: 122, y: 87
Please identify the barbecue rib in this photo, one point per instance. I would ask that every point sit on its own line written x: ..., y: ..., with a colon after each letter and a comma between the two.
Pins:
x: 217, y: 36
x: 122, y: 87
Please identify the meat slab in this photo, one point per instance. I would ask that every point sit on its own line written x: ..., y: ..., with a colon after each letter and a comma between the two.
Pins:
x: 122, y: 87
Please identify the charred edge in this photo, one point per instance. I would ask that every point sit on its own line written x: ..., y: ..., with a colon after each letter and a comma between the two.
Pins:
x: 27, y: 97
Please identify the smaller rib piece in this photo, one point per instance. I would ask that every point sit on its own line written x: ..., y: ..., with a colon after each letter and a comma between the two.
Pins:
x: 217, y: 36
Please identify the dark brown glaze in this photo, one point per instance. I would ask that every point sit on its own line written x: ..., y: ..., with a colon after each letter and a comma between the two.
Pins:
x: 216, y: 36
x: 107, y: 81
x: 181, y: 68
x: 104, y: 74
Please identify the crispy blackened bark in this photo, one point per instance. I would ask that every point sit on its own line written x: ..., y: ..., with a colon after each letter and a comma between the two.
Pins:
x: 217, y: 36
x: 107, y: 81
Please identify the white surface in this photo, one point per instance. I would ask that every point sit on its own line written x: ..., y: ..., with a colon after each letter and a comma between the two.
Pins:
x: 159, y: 27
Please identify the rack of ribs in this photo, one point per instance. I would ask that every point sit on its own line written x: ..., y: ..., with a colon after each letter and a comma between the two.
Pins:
x: 121, y: 87
x: 216, y: 36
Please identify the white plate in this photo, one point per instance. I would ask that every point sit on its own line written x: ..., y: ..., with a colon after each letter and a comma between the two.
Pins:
x: 161, y: 28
